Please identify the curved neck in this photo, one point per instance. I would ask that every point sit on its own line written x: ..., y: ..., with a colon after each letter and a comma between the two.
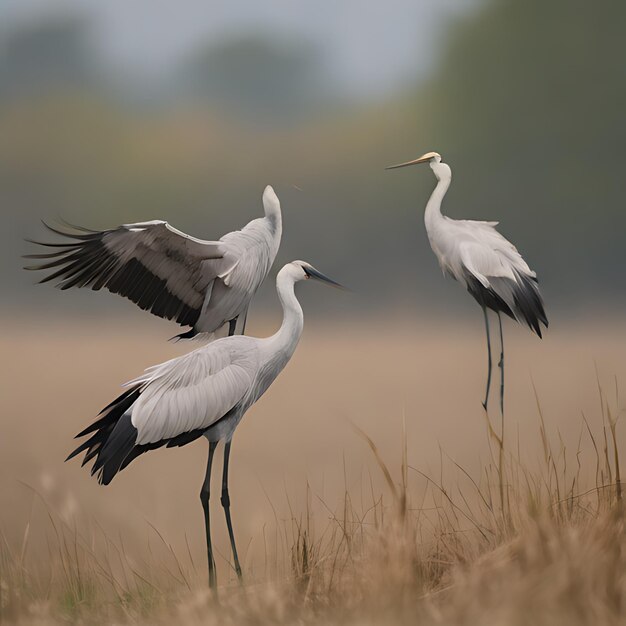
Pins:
x: 432, y: 214
x: 290, y: 330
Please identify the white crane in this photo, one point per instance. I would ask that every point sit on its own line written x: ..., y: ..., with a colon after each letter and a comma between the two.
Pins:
x: 480, y: 258
x: 202, y: 284
x: 203, y: 393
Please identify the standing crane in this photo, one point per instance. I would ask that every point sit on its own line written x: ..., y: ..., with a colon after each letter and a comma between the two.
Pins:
x: 203, y: 393
x: 490, y: 267
x: 197, y: 283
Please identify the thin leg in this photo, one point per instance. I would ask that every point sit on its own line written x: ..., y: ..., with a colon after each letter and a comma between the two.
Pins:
x: 226, y: 504
x: 231, y: 327
x: 204, y: 498
x: 241, y: 323
x: 501, y: 366
x: 488, y: 358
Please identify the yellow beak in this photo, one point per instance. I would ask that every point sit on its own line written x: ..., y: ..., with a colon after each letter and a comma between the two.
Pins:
x: 423, y: 159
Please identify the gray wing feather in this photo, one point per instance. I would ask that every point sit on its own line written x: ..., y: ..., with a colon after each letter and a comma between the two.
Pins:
x: 156, y: 266
x: 194, y: 391
x: 203, y: 284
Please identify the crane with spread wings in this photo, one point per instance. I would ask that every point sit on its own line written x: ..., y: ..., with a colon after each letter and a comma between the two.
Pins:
x: 197, y: 283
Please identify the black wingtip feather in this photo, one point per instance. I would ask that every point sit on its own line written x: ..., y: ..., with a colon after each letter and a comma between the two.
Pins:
x: 87, y: 261
x: 80, y: 228
x: 53, y: 245
x: 71, y: 235
x: 50, y: 255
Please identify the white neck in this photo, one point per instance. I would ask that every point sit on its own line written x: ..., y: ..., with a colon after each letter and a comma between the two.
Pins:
x: 432, y: 214
x: 276, y: 224
x: 271, y: 206
x: 272, y: 210
x: 290, y: 330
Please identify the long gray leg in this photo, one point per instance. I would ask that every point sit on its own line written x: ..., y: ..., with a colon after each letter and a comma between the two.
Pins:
x: 204, y: 498
x: 488, y: 358
x: 501, y: 366
x: 240, y: 328
x: 226, y: 504
x: 237, y: 326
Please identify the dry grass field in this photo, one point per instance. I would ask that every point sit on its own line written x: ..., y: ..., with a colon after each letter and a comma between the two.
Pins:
x: 428, y: 521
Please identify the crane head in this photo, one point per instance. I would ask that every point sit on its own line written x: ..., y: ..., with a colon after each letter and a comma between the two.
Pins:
x: 308, y: 271
x: 429, y: 157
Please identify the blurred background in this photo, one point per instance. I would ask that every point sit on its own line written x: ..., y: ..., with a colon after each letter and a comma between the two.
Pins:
x: 121, y: 111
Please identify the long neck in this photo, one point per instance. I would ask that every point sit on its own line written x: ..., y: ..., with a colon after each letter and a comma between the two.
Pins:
x: 274, y: 215
x: 432, y: 214
x: 290, y: 330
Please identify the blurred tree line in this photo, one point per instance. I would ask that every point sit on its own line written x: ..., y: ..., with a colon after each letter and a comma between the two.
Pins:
x: 527, y: 105
x: 51, y: 55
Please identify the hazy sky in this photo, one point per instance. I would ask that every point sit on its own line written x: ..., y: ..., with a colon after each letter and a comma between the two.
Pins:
x: 370, y: 46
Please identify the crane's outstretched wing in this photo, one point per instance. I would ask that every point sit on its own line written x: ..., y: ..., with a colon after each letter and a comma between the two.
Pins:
x: 498, y: 277
x: 158, y: 267
x: 171, y: 404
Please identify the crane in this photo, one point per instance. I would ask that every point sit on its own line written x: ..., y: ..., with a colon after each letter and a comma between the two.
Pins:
x: 197, y: 283
x: 476, y: 255
x: 204, y: 393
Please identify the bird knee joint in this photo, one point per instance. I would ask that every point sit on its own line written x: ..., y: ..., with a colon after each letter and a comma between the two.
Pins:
x: 225, y: 499
x: 205, y: 494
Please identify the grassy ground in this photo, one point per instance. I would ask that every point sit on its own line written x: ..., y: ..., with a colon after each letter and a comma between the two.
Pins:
x: 420, y: 512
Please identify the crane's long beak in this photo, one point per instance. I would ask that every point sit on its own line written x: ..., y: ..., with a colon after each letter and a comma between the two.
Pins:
x: 311, y: 272
x: 423, y: 159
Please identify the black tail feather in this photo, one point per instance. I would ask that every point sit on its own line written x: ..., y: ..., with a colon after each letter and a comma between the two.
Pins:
x: 112, y: 411
x: 519, y: 299
x: 115, y: 449
x: 112, y: 437
x: 113, y: 440
x: 529, y: 304
x: 189, y: 334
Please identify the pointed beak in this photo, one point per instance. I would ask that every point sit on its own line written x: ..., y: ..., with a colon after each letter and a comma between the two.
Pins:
x: 423, y: 159
x: 311, y: 272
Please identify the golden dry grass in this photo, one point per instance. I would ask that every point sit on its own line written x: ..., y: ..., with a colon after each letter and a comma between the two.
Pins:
x: 425, y: 522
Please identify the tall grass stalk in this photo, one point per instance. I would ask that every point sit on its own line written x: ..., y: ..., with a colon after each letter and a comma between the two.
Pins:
x: 516, y: 539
